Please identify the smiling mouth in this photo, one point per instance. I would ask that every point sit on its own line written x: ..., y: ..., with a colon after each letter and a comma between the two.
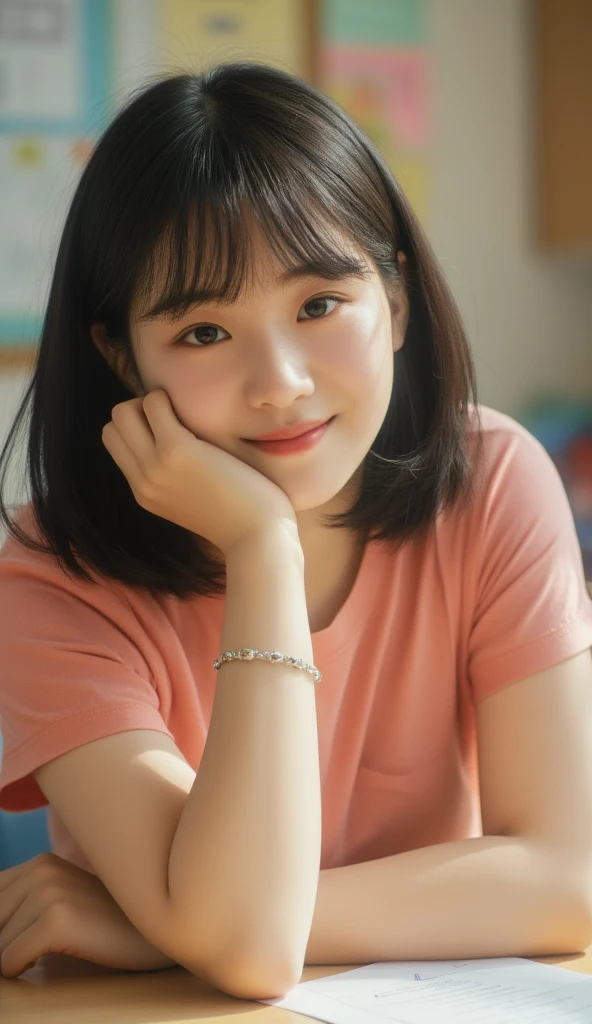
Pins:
x: 288, y: 446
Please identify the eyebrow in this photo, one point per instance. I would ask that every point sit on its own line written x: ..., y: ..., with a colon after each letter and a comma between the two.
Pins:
x: 175, y: 306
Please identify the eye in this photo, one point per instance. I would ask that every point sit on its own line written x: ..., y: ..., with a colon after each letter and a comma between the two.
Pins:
x: 205, y: 335
x: 319, y: 302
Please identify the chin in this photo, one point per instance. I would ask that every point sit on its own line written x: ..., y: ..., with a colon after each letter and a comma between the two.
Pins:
x: 303, y: 499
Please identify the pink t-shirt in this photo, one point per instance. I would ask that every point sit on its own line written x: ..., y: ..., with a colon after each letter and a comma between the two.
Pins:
x: 494, y: 595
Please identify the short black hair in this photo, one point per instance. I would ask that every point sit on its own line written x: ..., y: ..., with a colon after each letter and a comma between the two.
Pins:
x: 187, y: 153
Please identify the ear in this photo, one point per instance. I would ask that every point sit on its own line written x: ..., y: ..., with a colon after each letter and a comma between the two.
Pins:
x: 400, y: 306
x: 115, y: 356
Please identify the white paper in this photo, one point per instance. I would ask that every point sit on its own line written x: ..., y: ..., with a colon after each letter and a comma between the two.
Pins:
x: 501, y: 990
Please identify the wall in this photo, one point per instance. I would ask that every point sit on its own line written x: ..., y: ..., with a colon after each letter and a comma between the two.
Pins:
x: 529, y: 315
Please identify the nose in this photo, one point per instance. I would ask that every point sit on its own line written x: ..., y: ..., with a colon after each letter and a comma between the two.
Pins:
x: 277, y: 371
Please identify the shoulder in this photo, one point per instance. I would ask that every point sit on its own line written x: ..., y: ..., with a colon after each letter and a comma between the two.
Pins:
x: 501, y: 433
x: 516, y: 543
x: 41, y: 599
x: 530, y: 604
x: 514, y: 469
x: 78, y: 658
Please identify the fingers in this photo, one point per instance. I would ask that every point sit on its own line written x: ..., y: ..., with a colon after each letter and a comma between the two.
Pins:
x: 24, y: 951
x: 11, y: 899
x: 130, y: 442
x: 140, y: 423
x: 122, y: 455
x: 19, y: 911
x: 164, y: 422
x: 37, y: 904
x: 132, y: 426
x: 12, y: 954
x: 8, y: 875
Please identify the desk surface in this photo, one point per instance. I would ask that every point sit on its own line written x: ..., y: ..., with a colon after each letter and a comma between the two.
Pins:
x: 64, y: 990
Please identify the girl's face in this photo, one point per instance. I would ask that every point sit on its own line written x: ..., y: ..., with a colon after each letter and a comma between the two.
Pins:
x: 285, y: 352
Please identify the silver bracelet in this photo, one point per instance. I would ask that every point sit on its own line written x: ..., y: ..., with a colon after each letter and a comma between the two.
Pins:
x: 248, y: 654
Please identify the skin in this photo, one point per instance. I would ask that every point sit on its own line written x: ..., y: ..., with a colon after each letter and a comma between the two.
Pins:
x: 274, y: 357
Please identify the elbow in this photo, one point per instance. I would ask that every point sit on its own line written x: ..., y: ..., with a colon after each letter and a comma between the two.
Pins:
x: 247, y: 977
x: 570, y: 923
x: 577, y: 929
x: 246, y: 981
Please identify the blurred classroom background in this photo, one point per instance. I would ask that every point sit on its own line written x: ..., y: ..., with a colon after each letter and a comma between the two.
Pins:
x: 481, y: 108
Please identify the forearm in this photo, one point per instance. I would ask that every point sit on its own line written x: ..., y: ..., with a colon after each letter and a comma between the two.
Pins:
x: 491, y: 896
x: 244, y: 864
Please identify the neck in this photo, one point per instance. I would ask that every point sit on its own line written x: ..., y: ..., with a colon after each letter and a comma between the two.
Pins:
x: 332, y: 559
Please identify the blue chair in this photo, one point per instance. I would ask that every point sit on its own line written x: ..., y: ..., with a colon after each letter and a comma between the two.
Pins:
x: 23, y: 835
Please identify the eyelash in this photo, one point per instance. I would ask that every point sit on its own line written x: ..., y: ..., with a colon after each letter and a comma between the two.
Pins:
x: 183, y: 341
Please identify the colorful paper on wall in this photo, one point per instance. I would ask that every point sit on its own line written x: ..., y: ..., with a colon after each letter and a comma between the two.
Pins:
x: 386, y: 88
x: 38, y: 175
x: 382, y: 80
x: 54, y: 101
x: 197, y: 33
x: 374, y: 21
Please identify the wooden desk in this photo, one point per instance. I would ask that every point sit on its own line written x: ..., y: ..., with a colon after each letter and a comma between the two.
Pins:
x: 64, y: 990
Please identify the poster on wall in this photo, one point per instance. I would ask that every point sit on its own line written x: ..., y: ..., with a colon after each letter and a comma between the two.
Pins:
x: 375, y: 63
x: 54, y: 63
x: 198, y: 33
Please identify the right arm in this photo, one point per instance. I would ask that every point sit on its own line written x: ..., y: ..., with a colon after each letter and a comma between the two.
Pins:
x: 218, y: 870
x: 244, y: 864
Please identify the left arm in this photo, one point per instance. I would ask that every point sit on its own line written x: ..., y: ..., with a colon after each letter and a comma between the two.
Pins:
x: 525, y: 887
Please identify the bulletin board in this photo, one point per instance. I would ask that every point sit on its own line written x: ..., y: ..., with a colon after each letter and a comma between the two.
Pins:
x: 55, y: 98
x: 66, y: 65
x: 59, y: 61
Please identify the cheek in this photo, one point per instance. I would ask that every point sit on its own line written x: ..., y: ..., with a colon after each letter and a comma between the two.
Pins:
x: 361, y: 355
x: 192, y: 392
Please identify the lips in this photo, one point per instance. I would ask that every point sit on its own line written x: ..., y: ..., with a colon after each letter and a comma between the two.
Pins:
x: 287, y: 433
x: 303, y: 442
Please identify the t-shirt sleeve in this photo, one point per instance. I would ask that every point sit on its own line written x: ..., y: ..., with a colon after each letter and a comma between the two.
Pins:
x: 532, y: 609
x: 72, y: 671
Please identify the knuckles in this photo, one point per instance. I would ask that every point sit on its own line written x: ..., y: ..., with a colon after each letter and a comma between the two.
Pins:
x: 156, y: 477
x: 47, y: 873
x: 117, y: 411
x: 57, y: 915
x: 44, y: 863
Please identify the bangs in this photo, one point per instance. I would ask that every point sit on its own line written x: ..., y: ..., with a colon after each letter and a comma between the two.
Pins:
x: 205, y: 253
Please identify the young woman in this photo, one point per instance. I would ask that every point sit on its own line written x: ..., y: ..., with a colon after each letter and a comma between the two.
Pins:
x: 399, y: 763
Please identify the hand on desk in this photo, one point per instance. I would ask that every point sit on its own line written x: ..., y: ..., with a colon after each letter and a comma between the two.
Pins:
x: 48, y: 905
